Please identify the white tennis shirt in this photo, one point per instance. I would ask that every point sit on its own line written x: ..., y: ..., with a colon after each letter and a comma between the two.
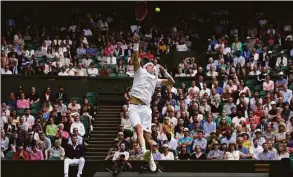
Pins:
x: 144, y: 85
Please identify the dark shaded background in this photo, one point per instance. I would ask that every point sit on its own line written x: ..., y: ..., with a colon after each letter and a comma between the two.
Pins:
x: 54, y: 12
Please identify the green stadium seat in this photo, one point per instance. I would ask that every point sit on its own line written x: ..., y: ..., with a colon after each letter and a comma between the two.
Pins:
x: 85, y: 120
x: 291, y: 87
x: 34, y: 112
x: 123, y: 75
x: 250, y: 82
x: 258, y: 88
x: 36, y: 106
x: 262, y: 93
x: 112, y: 75
x: 21, y: 112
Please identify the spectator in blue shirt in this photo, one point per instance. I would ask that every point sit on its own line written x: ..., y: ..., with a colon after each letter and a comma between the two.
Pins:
x: 81, y: 51
x: 186, y: 140
x: 91, y: 51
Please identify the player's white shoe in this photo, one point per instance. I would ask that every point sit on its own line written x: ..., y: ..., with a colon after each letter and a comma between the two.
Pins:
x: 153, y: 166
x: 148, y: 157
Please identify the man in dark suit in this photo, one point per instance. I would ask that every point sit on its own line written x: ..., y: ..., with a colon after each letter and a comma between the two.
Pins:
x: 74, y: 155
x: 9, y: 127
x: 60, y: 95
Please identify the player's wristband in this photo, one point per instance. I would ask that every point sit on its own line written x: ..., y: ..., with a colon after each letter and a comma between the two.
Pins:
x: 136, y: 47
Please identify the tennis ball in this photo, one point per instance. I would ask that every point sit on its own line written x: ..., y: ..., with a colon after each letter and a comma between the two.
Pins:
x: 157, y: 9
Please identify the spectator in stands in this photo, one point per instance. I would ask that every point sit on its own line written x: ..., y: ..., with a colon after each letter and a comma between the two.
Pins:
x: 167, y: 155
x: 198, y: 154
x: 35, y: 153
x: 113, y: 149
x: 20, y: 154
x: 122, y: 150
x: 79, y: 138
x: 74, y: 154
x: 22, y: 103
x: 45, y: 143
x: 77, y: 124
x: 91, y: 71
x: 265, y: 154
x: 56, y: 152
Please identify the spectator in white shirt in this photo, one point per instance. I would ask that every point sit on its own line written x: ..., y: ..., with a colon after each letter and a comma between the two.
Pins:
x: 81, y: 71
x: 282, y: 61
x: 63, y: 72
x: 65, y: 60
x: 122, y: 150
x: 48, y: 42
x: 102, y: 25
x: 57, y: 41
x: 212, y: 71
x: 167, y: 155
x: 268, y: 85
x: 238, y: 59
x: 255, y: 149
x: 6, y: 70
x: 72, y: 28
x: 86, y: 61
x: 71, y: 71
x: 287, y: 94
x: 28, y: 118
x: 181, y: 47
x: 92, y: 71
x: 67, y: 41
x: 254, y: 71
x: 87, y: 32
x: 57, y: 62
x: 77, y: 124
x: 111, y: 60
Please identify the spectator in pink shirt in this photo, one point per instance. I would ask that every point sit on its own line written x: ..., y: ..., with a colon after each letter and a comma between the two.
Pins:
x: 22, y: 103
x: 36, y: 154
x: 268, y: 85
x: 61, y: 132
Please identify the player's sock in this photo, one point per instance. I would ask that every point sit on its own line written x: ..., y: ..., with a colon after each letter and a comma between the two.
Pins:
x: 143, y: 149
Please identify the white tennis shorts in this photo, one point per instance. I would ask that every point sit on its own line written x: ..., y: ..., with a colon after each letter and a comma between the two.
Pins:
x: 141, y: 115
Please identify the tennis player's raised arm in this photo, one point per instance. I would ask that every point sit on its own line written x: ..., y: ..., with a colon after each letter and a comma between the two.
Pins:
x: 169, y: 80
x: 136, y: 63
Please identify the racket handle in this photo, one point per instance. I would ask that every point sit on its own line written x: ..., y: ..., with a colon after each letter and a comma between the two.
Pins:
x: 137, y: 30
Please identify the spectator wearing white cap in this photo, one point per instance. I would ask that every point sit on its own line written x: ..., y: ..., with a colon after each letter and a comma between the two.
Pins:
x: 167, y: 155
x: 282, y: 81
x: 258, y: 136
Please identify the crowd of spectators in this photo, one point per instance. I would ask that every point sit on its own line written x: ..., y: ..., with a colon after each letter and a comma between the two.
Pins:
x: 46, y: 126
x: 97, y: 48
x: 238, y: 106
x: 206, y: 118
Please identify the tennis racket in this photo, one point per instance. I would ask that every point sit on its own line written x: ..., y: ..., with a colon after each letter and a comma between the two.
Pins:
x: 141, y: 11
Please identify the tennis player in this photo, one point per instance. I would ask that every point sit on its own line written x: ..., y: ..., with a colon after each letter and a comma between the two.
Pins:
x: 140, y: 114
